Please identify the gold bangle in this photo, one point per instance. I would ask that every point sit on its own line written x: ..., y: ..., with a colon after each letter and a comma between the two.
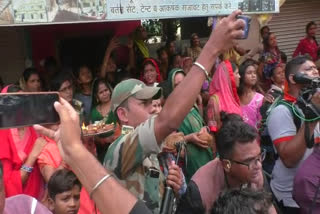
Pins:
x: 99, y: 183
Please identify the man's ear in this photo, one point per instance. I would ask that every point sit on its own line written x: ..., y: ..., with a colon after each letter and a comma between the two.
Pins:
x: 226, y: 164
x: 51, y: 204
x: 122, y: 114
x: 291, y: 81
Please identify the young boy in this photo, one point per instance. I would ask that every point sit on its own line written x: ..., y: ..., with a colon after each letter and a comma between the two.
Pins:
x: 64, y: 192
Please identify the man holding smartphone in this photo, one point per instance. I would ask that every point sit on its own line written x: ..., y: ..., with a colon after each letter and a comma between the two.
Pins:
x: 133, y: 157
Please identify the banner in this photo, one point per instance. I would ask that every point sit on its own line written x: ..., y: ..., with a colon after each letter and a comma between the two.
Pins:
x: 157, y: 9
x: 28, y: 12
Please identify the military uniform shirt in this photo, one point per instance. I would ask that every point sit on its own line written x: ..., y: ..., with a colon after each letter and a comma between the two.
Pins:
x: 133, y: 160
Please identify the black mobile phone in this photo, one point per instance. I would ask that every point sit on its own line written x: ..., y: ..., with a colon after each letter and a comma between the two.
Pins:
x: 27, y: 109
x: 247, y: 20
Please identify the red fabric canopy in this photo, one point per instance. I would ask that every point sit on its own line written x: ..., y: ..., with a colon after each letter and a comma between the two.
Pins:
x: 45, y: 37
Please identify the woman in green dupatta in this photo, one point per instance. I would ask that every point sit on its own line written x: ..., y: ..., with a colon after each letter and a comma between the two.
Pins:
x: 197, y: 155
x: 101, y: 103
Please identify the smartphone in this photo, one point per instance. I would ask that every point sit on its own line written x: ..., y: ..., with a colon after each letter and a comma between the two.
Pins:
x: 27, y: 109
x: 247, y: 20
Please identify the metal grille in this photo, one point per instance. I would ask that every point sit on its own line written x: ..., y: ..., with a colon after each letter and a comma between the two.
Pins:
x: 289, y: 26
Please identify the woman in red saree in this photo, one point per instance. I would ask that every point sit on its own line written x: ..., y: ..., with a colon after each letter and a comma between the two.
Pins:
x: 19, y: 151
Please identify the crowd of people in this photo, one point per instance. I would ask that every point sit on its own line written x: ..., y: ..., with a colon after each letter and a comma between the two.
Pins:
x: 206, y: 130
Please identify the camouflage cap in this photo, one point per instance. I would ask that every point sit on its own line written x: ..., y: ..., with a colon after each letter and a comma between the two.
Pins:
x: 133, y: 87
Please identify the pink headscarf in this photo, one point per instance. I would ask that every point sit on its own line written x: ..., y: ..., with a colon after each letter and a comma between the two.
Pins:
x: 5, y: 89
x: 224, y: 86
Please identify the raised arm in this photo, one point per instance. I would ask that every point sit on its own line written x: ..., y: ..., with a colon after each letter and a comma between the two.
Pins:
x: 178, y: 106
x: 113, y: 44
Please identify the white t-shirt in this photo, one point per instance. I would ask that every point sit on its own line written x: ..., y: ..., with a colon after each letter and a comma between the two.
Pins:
x: 281, y: 128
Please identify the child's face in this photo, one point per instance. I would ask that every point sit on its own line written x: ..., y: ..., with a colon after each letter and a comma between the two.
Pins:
x: 67, y: 202
x: 250, y: 77
x: 85, y: 75
x: 278, y: 76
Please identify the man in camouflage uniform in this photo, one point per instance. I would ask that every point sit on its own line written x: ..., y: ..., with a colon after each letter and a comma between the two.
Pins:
x: 133, y: 157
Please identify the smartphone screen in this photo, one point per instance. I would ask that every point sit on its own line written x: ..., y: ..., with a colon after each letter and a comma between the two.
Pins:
x: 27, y: 109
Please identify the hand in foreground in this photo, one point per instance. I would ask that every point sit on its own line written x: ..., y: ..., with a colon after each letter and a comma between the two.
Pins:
x: 174, y: 178
x: 194, y: 138
x: 268, y: 98
x: 68, y: 135
x: 226, y: 31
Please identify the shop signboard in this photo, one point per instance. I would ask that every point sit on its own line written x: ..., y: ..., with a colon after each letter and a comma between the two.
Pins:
x: 29, y: 12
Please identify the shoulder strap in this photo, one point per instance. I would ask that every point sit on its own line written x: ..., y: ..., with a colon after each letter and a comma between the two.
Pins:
x: 296, y: 120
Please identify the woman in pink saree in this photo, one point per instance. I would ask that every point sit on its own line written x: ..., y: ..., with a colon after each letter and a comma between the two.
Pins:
x: 223, y: 94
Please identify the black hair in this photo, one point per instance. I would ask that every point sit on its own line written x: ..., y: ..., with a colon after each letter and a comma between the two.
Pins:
x: 165, y: 85
x: 309, y: 25
x: 234, y: 67
x: 226, y: 117
x: 172, y: 59
x: 1, y: 82
x: 242, y: 71
x: 122, y: 75
x: 77, y: 71
x: 61, y: 181
x: 246, y: 201
x: 273, y: 70
x: 193, y: 35
x: 160, y: 51
x: 50, y: 62
x: 232, y: 132
x: 95, y: 89
x: 262, y: 29
x: 13, y: 89
x: 266, y: 45
x: 28, y: 72
x: 168, y: 42
x: 284, y: 57
x: 294, y: 65
x: 58, y: 80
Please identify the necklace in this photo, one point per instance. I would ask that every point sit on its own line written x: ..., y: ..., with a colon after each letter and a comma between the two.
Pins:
x: 102, y: 111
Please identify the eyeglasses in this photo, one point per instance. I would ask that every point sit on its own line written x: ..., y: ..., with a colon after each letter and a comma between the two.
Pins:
x: 252, y: 162
x: 68, y: 88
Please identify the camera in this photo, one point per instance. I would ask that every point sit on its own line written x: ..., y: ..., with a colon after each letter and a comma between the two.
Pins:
x: 304, y: 100
x: 311, y: 112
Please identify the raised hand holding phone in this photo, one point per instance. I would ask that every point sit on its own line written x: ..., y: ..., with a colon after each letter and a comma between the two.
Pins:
x: 27, y: 109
